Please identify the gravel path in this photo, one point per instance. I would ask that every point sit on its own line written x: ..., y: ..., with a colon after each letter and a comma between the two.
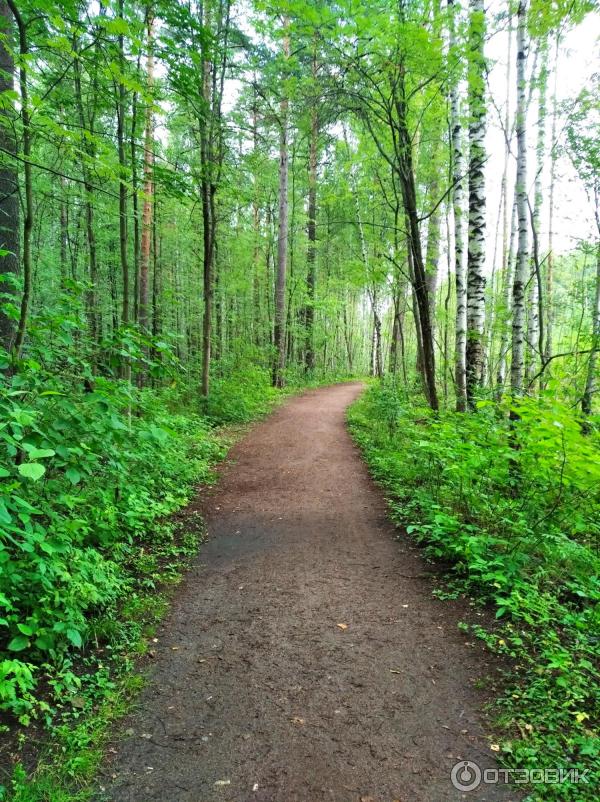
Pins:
x: 304, y: 658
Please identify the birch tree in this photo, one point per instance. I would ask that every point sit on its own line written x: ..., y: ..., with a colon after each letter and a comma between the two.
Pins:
x: 522, y: 260
x: 477, y: 204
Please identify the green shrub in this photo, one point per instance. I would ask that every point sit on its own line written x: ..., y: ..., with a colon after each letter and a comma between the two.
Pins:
x: 515, y: 509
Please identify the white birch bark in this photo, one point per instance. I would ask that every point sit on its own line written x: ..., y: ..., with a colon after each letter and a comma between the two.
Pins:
x: 522, y: 261
x: 476, y: 239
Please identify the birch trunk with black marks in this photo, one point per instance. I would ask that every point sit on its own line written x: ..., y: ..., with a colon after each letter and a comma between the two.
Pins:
x: 476, y: 237
x: 522, y: 260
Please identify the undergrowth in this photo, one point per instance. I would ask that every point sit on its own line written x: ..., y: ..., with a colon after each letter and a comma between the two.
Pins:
x: 515, y: 509
x: 92, y: 469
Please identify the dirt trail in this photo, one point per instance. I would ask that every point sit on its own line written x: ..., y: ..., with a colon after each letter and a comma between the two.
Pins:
x: 257, y: 694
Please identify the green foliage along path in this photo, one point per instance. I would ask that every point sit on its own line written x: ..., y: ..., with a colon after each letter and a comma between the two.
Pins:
x: 515, y: 511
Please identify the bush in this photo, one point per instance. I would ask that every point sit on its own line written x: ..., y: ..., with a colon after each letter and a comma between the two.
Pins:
x: 85, y: 474
x: 515, y: 508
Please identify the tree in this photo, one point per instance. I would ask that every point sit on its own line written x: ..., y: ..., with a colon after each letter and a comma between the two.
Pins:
x: 9, y: 196
x: 27, y: 179
x: 282, y: 221
x: 148, y: 199
x: 476, y: 237
x: 522, y: 260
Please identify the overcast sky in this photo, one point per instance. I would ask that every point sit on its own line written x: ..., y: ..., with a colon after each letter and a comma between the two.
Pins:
x: 578, y: 61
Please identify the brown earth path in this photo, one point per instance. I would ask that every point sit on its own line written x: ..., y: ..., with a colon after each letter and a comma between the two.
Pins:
x: 256, y: 693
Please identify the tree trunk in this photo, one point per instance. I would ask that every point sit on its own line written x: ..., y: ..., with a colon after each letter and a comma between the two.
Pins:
x: 135, y: 202
x: 476, y: 238
x: 460, y: 368
x: 282, y: 237
x: 504, y: 313
x: 9, y: 186
x: 535, y: 324
x: 89, y: 150
x: 122, y: 176
x: 257, y: 317
x: 548, y: 341
x: 147, y: 215
x: 406, y: 179
x: 522, y: 261
x: 509, y: 262
x: 28, y: 178
x: 311, y: 254
x: 432, y: 257
x: 64, y: 232
x: 591, y: 384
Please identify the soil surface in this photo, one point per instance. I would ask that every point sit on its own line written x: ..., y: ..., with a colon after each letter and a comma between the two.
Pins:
x: 304, y: 658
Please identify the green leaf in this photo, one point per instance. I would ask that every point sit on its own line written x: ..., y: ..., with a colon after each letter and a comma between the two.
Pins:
x: 32, y: 470
x: 73, y: 475
x: 18, y: 643
x: 4, y: 473
x: 25, y: 629
x: 44, y: 642
x: 75, y: 637
x: 5, y: 516
x: 39, y: 453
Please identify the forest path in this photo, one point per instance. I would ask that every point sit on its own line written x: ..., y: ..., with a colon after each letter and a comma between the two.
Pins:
x: 257, y: 693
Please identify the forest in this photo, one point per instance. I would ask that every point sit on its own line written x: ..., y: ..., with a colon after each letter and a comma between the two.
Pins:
x: 208, y: 207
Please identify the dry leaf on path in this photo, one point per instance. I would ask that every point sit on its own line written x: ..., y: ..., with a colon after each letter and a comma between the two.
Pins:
x: 344, y: 626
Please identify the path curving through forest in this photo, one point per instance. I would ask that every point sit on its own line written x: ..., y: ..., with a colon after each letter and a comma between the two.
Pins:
x: 304, y: 658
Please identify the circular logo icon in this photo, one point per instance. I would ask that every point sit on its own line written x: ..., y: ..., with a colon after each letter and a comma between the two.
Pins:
x: 466, y: 776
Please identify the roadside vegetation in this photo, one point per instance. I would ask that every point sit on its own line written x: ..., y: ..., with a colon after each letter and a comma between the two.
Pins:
x: 94, y: 468
x: 513, y: 507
